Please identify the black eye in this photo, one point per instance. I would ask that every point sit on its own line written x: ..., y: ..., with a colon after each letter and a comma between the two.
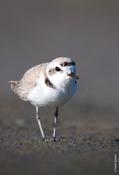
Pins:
x: 57, y: 69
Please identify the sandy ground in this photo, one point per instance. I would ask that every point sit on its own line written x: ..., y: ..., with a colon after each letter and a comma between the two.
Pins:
x: 86, y: 143
x: 32, y: 32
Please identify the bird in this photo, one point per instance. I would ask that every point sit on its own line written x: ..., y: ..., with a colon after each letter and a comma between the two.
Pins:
x: 50, y: 84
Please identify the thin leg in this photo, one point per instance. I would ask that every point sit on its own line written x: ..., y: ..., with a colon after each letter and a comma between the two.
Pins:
x: 55, y: 122
x: 39, y: 123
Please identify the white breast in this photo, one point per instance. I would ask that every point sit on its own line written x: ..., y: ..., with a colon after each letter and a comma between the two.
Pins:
x: 43, y: 95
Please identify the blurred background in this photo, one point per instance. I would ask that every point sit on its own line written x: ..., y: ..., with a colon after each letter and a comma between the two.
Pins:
x: 32, y: 32
x: 36, y: 31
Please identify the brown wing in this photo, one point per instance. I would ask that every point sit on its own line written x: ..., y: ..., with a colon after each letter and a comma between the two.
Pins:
x: 28, y: 81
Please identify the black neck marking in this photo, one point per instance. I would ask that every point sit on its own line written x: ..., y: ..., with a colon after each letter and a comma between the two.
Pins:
x: 49, y: 83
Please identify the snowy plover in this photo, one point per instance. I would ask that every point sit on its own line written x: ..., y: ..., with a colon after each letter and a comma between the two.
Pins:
x: 48, y: 84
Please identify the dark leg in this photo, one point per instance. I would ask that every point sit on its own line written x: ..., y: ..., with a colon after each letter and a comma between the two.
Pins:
x: 55, y: 122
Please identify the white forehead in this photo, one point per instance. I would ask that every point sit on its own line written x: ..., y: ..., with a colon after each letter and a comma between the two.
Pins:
x: 65, y: 63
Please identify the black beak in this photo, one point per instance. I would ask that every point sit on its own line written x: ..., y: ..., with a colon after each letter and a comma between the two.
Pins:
x: 73, y: 75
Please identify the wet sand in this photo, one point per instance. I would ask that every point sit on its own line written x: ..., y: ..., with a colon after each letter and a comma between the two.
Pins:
x: 86, y: 142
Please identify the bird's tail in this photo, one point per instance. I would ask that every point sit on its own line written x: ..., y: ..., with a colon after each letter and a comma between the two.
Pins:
x: 13, y: 84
